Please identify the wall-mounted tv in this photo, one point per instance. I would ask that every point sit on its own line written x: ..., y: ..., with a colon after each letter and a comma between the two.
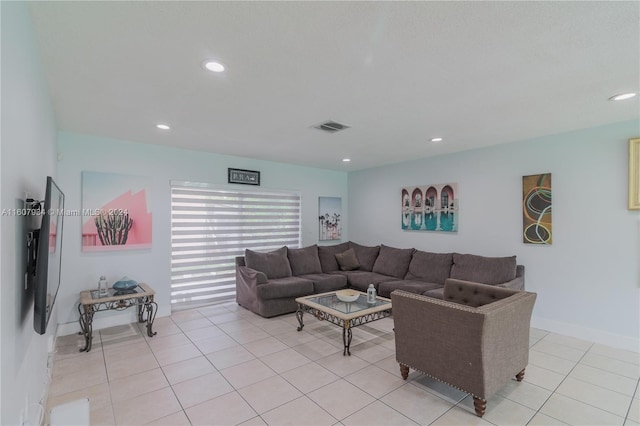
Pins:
x: 49, y: 256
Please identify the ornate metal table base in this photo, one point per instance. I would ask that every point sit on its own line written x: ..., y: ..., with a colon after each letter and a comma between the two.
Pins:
x: 347, y: 325
x: 88, y: 306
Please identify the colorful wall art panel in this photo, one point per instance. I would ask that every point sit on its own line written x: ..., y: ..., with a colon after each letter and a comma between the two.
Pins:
x: 116, y: 213
x: 330, y: 220
x: 430, y: 208
x: 536, y: 209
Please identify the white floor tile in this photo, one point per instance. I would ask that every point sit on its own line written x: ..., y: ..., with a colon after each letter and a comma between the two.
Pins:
x: 377, y: 414
x: 341, y: 399
x: 269, y: 394
x: 299, y: 412
x: 605, y: 379
x: 417, y: 404
x: 261, y: 371
x: 575, y: 412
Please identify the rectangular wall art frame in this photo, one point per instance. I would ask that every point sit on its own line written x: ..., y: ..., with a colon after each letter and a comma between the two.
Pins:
x: 430, y: 208
x: 116, y: 213
x: 536, y: 209
x: 329, y: 218
x: 634, y: 174
x: 244, y: 177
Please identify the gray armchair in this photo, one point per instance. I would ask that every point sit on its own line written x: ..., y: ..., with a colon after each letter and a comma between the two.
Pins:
x: 476, y: 339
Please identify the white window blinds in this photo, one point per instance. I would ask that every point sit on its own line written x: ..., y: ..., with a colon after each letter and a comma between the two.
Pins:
x: 211, y: 226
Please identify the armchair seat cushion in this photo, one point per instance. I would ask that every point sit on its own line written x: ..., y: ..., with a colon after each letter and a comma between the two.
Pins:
x: 284, y: 287
x: 412, y: 286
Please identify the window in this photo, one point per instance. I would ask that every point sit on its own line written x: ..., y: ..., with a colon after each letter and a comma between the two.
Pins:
x: 211, y: 226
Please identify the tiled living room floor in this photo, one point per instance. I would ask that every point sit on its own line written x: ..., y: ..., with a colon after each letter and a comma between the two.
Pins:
x: 224, y: 365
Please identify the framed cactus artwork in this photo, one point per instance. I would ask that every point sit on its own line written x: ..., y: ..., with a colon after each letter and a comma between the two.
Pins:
x: 115, y: 212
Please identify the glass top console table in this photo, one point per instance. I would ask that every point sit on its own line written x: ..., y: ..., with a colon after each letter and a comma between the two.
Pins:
x: 116, y: 300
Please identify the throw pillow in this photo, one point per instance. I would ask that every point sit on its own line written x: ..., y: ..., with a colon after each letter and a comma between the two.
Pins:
x: 348, y: 260
x: 393, y: 261
x: 273, y: 264
x: 366, y: 255
x: 305, y: 260
x: 327, y: 255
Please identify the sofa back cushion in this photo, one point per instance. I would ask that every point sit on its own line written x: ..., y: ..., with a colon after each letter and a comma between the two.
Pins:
x: 393, y: 261
x: 481, y: 269
x: 430, y: 267
x: 274, y: 264
x: 348, y: 260
x: 366, y: 255
x: 327, y: 255
x: 304, y: 260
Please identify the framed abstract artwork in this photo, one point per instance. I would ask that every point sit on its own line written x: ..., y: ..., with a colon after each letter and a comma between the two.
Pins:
x: 536, y: 209
x: 116, y: 213
x: 329, y: 218
x: 634, y: 174
x: 430, y: 207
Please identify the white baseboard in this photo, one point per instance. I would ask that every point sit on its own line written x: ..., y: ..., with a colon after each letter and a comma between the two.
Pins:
x: 589, y: 334
x: 99, y: 323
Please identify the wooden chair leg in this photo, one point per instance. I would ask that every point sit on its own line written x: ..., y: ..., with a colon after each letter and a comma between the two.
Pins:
x: 520, y: 375
x: 480, y: 405
x: 404, y: 371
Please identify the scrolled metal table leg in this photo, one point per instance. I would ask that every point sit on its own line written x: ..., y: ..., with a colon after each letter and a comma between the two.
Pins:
x: 299, y: 313
x: 86, y: 327
x: 140, y: 312
x: 346, y: 338
x: 151, y: 316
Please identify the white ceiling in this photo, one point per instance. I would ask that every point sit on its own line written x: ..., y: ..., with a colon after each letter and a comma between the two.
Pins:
x: 398, y: 73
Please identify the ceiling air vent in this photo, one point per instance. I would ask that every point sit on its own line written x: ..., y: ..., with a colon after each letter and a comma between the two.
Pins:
x: 331, y: 126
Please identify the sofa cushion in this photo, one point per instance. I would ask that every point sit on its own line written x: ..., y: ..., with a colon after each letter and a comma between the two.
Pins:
x: 360, y: 280
x: 366, y: 255
x: 436, y: 293
x: 481, y: 269
x: 348, y: 260
x: 412, y: 286
x: 393, y: 261
x: 280, y: 288
x: 274, y: 264
x: 430, y: 267
x: 304, y: 260
x: 327, y: 255
x: 323, y: 283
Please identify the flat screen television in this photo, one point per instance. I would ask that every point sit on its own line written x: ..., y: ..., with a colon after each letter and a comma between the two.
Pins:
x: 49, y: 256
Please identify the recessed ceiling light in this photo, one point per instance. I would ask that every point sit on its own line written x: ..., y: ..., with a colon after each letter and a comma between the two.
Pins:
x: 214, y: 66
x: 163, y: 127
x: 346, y: 160
x: 436, y: 139
x: 622, y: 96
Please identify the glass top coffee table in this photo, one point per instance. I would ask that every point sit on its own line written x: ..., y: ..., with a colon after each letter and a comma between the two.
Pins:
x: 327, y: 306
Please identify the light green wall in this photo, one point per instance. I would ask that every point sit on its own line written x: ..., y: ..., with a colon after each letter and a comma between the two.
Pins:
x: 163, y: 164
x: 588, y: 280
x: 28, y: 156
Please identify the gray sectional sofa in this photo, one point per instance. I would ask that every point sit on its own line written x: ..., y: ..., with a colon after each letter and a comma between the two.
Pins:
x: 269, y: 283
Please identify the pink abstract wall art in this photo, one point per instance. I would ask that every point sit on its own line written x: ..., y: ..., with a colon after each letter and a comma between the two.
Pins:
x: 116, y: 213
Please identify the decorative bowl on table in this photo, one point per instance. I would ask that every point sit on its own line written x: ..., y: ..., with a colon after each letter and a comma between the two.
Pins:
x: 125, y: 284
x: 347, y: 295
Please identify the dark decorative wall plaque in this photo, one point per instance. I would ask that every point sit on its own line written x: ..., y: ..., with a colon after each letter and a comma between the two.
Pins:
x: 245, y: 177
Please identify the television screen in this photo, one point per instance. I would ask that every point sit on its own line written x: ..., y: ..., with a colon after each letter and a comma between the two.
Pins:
x: 49, y: 256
